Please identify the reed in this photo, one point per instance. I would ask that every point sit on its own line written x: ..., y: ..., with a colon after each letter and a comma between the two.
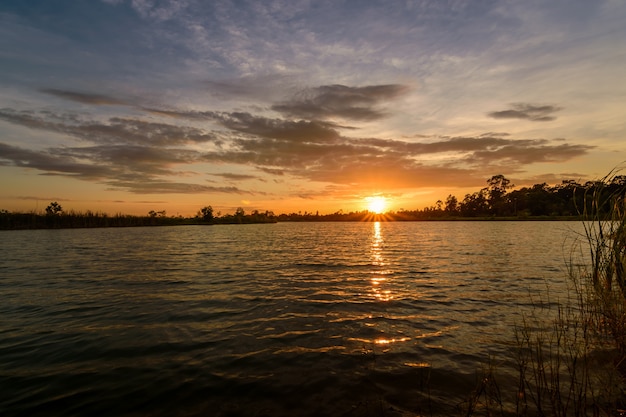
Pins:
x: 571, y: 353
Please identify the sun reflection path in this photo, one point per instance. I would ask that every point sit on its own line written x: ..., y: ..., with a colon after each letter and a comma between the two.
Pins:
x: 381, y: 286
x: 380, y: 269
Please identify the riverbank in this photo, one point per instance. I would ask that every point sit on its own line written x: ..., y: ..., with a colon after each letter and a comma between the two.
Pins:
x: 32, y: 221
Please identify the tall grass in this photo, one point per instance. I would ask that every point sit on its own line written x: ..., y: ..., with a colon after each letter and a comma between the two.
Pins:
x: 606, y: 280
x: 571, y: 353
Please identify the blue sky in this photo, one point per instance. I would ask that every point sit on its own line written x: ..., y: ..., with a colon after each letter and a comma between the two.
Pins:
x: 130, y: 106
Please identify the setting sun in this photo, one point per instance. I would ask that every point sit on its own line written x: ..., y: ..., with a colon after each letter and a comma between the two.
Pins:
x: 376, y: 204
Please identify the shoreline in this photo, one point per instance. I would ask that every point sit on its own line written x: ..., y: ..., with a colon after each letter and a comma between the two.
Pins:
x: 25, y: 221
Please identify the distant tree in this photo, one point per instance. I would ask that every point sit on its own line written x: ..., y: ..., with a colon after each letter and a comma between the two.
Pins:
x: 53, y: 209
x: 452, y: 204
x: 538, y: 199
x: 475, y: 204
x: 239, y: 214
x: 154, y: 214
x: 570, y: 195
x: 497, y: 187
x: 206, y: 214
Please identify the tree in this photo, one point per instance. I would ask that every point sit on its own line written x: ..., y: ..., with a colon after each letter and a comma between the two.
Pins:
x: 239, y: 214
x: 475, y: 204
x: 452, y: 204
x: 497, y: 187
x: 155, y: 214
x: 53, y: 209
x: 206, y: 214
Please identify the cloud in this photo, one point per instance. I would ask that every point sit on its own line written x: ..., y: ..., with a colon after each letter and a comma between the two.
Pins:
x: 85, y: 98
x: 527, y: 112
x: 169, y: 187
x: 116, y: 131
x: 243, y: 122
x: 159, y: 10
x: 272, y: 171
x: 134, y: 169
x: 330, y: 101
x: 458, y: 160
x: 289, y: 130
x: 50, y: 163
x: 236, y: 177
x: 151, y: 157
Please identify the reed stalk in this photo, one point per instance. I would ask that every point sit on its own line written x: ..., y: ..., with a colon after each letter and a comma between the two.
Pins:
x: 571, y: 360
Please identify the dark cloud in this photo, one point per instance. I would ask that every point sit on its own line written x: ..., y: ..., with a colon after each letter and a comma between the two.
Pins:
x: 291, y: 130
x: 142, y: 157
x: 272, y: 171
x: 50, y: 163
x: 288, y: 130
x: 527, y: 112
x: 116, y: 131
x: 330, y: 101
x: 33, y: 198
x: 85, y: 98
x: 168, y: 187
x: 236, y: 177
x: 131, y: 168
x: 377, y: 161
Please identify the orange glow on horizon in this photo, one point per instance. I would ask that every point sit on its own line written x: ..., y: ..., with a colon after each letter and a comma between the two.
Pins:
x: 376, y: 204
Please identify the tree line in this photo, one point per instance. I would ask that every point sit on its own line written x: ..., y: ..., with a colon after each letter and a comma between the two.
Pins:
x: 569, y: 198
x: 497, y: 200
x: 55, y: 217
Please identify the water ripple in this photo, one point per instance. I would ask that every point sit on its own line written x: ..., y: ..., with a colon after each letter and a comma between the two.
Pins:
x: 306, y: 319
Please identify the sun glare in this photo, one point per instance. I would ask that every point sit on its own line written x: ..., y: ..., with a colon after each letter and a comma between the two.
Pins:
x: 376, y: 204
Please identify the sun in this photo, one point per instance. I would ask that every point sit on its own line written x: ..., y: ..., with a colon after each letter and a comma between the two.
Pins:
x: 376, y: 204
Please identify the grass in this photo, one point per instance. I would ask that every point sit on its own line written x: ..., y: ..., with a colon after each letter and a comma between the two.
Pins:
x: 571, y: 359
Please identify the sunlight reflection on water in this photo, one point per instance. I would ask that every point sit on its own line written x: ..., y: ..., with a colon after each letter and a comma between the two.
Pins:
x: 379, y: 272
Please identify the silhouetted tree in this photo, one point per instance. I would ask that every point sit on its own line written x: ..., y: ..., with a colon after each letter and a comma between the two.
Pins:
x: 452, y: 204
x: 475, y: 204
x: 239, y: 214
x: 53, y: 209
x: 206, y: 214
x: 497, y: 187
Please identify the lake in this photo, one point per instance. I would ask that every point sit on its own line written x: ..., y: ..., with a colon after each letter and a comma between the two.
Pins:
x: 287, y: 319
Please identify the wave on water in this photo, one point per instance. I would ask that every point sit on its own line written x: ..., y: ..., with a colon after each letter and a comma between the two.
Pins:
x: 252, y: 320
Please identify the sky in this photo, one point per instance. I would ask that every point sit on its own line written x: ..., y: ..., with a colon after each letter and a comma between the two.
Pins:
x: 128, y: 106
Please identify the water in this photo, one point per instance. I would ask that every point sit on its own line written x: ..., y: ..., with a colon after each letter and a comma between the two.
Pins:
x: 280, y: 319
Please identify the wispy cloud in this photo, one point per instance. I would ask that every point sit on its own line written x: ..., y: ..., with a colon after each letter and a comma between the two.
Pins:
x: 116, y: 131
x: 85, y: 98
x: 137, y: 170
x: 330, y: 101
x: 525, y: 111
x: 235, y: 177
